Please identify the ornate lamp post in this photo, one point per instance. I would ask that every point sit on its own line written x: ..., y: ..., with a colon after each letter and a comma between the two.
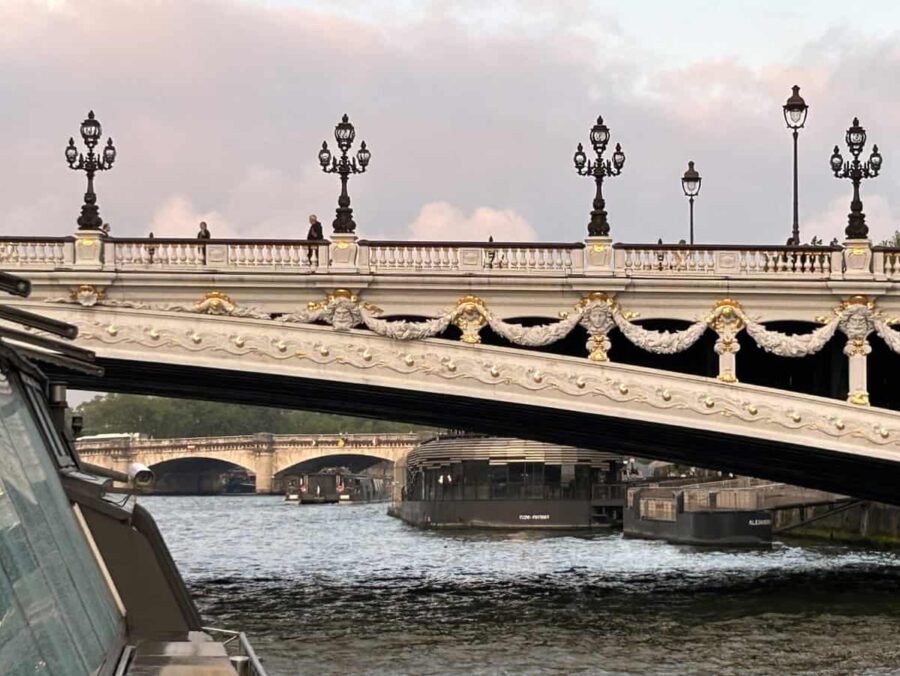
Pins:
x: 344, y: 133
x: 690, y: 183
x: 599, y: 169
x: 90, y: 164
x: 856, y: 171
x: 795, y: 110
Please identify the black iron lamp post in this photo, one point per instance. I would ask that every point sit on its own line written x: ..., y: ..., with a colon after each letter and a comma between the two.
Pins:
x: 856, y: 171
x: 795, y: 110
x: 344, y: 133
x: 90, y: 164
x: 690, y: 183
x: 599, y: 169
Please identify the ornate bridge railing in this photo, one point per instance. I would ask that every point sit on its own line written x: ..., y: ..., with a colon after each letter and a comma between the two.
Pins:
x: 295, y: 255
x: 680, y: 259
x: 596, y: 257
x: 37, y: 252
x: 453, y: 257
x: 886, y: 260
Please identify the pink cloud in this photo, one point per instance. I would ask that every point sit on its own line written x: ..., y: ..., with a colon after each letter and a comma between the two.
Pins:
x: 443, y: 221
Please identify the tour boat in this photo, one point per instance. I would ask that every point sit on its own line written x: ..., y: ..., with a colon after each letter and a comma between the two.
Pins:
x: 88, y: 584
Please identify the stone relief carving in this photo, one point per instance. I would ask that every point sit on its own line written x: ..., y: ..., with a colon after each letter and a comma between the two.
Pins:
x: 211, y: 303
x: 791, y: 345
x: 661, y: 342
x: 597, y: 313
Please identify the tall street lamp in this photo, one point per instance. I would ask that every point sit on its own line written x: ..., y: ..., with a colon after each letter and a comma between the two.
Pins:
x: 90, y: 164
x: 599, y: 169
x: 690, y: 183
x: 856, y: 171
x: 344, y: 133
x: 795, y: 110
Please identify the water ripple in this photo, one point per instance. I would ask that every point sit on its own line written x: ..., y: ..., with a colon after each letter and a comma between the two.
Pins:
x: 346, y: 589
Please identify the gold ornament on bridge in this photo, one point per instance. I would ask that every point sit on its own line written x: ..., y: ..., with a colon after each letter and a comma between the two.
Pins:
x: 727, y: 320
x: 215, y: 303
x: 470, y: 316
x: 341, y: 309
x: 87, y: 295
x: 859, y: 398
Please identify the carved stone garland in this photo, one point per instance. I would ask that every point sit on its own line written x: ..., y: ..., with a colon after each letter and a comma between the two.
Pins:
x: 597, y: 313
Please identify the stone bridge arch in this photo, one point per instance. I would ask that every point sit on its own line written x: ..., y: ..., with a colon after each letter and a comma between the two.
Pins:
x: 719, y: 424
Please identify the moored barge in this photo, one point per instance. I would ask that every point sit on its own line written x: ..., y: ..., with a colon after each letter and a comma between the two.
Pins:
x: 466, y: 480
x: 685, y: 512
x: 334, y: 485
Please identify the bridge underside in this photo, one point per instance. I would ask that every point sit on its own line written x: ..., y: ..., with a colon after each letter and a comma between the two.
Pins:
x: 698, y: 446
x: 355, y: 462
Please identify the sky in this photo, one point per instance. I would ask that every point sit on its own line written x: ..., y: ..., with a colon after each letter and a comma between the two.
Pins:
x: 472, y: 111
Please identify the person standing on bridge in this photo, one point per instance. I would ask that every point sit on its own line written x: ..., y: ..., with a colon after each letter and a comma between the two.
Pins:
x: 203, y: 234
x: 314, y: 234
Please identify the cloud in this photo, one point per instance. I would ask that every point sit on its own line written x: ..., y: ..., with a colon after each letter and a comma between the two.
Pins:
x: 177, y: 217
x: 831, y: 221
x: 443, y: 221
x: 219, y: 108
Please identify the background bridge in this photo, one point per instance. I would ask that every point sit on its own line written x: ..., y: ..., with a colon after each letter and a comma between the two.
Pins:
x: 264, y: 455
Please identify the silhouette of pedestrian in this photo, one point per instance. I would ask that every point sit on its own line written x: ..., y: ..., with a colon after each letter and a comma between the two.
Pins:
x: 314, y: 234
x: 203, y: 234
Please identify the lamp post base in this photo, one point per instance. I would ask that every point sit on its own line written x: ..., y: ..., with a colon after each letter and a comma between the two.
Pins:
x: 857, y: 258
x: 89, y: 248
x: 598, y: 256
x: 343, y: 253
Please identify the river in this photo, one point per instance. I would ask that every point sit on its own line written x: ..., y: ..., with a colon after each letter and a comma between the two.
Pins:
x: 345, y: 589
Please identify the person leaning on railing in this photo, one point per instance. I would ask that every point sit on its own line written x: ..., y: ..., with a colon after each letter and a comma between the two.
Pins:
x: 314, y: 234
x: 203, y: 234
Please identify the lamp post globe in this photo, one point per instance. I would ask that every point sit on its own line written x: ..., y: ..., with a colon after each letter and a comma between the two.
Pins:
x: 795, y: 109
x: 91, y: 130
x: 599, y: 135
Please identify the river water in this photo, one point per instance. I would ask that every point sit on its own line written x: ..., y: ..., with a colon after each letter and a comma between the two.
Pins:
x: 345, y: 589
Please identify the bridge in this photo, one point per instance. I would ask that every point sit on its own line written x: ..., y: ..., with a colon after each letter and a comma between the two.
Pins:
x: 773, y: 362
x: 266, y: 456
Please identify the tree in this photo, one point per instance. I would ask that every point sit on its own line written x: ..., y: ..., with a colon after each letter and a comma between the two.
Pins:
x: 161, y: 417
x: 893, y: 241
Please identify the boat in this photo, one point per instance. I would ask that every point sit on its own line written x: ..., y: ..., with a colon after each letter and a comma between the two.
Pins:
x: 335, y: 485
x: 687, y: 512
x: 464, y: 480
x: 89, y: 586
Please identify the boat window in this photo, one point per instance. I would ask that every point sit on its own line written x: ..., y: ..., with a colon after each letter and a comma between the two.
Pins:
x: 57, y: 613
x: 61, y: 451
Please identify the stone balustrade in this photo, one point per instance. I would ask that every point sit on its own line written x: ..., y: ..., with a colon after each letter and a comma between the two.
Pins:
x: 596, y: 257
x: 727, y: 261
x: 484, y: 257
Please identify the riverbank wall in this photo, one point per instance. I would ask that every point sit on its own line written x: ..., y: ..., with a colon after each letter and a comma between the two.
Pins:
x: 868, y: 523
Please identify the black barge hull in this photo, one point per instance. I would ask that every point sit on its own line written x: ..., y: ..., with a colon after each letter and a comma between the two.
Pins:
x: 519, y: 514
x: 730, y: 528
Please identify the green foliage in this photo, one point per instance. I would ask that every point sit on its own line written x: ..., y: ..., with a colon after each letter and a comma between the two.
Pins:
x: 161, y: 417
x: 893, y: 241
